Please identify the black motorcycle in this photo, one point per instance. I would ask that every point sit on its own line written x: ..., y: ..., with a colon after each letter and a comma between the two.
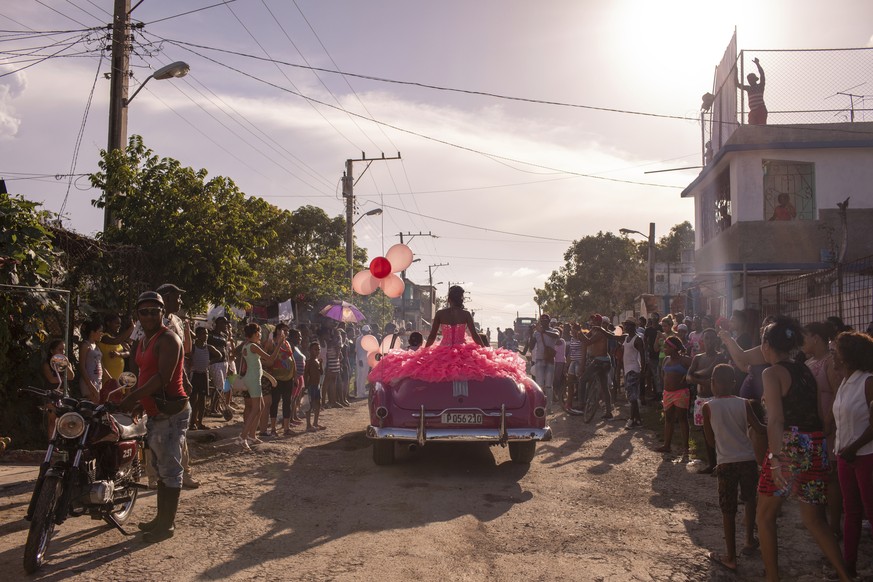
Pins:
x: 92, y: 467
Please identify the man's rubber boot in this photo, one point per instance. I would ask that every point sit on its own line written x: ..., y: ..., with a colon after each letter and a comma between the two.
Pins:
x: 150, y: 525
x: 166, y: 525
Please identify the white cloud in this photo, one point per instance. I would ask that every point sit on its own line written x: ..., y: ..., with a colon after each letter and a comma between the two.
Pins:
x: 11, y: 87
x: 523, y: 272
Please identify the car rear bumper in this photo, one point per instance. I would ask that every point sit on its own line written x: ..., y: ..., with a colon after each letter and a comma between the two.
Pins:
x: 460, y: 434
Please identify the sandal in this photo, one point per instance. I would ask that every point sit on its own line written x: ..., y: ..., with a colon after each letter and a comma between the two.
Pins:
x: 288, y: 432
x: 750, y: 550
x: 663, y: 449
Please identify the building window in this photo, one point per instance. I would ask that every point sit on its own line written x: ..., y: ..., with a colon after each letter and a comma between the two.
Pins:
x: 789, y: 190
x: 717, y: 207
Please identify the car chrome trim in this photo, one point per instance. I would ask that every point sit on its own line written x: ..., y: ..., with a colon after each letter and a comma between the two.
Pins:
x: 503, y: 437
x: 420, y: 436
x: 462, y: 409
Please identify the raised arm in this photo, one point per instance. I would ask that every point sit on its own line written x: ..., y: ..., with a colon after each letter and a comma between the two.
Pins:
x: 760, y: 71
x: 742, y: 358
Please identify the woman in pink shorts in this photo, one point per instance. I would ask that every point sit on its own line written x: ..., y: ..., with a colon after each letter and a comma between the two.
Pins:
x: 677, y: 396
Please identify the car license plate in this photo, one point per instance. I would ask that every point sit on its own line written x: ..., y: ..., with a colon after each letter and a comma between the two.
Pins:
x: 462, y: 418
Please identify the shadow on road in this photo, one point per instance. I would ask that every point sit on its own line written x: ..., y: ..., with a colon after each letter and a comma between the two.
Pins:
x: 448, y: 481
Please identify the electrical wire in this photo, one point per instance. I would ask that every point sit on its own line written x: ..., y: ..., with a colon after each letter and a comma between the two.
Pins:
x: 225, y: 2
x: 479, y: 227
x: 424, y: 136
x: 290, y: 82
x: 61, y: 13
x: 443, y: 88
x: 34, y: 63
x: 79, y: 139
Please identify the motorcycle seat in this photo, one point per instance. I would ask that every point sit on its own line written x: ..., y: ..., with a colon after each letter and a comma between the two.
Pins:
x: 127, y: 429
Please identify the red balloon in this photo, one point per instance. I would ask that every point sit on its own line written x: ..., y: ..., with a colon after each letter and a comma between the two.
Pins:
x: 380, y: 267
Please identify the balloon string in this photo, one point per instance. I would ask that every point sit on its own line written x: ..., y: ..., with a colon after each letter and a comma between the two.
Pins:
x: 382, y: 217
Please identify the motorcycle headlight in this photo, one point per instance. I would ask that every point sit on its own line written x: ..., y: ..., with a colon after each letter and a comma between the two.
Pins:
x: 71, y: 425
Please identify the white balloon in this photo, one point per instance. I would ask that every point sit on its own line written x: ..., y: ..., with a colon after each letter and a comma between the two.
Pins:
x: 364, y: 283
x: 392, y: 285
x: 370, y: 343
x: 400, y: 257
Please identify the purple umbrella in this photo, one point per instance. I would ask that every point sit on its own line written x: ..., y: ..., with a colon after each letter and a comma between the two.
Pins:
x: 342, y: 311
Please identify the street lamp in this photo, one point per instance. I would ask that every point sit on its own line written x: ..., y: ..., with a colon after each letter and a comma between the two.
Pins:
x: 651, y: 238
x: 118, y: 103
x: 172, y: 71
x: 374, y: 212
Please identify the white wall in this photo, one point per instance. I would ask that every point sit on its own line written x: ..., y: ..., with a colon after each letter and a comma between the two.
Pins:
x: 839, y: 173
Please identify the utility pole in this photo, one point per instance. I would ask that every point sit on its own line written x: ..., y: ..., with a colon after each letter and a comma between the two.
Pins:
x: 430, y: 271
x: 652, y: 258
x: 349, y: 194
x: 118, y: 78
x: 411, y: 236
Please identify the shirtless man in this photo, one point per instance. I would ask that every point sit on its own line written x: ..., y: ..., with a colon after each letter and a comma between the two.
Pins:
x: 700, y: 373
x: 597, y: 347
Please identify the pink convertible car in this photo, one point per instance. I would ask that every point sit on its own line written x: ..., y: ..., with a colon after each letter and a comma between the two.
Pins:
x: 494, y: 410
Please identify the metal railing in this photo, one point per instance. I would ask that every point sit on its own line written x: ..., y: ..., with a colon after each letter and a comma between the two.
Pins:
x: 845, y: 290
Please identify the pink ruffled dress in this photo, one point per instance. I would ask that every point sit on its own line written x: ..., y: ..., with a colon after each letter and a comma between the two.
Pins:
x: 455, y: 358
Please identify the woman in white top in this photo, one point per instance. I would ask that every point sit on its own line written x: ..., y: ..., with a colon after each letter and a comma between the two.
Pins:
x: 853, y: 413
x: 91, y: 361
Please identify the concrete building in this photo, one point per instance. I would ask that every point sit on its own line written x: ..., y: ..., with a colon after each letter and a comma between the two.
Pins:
x: 766, y: 208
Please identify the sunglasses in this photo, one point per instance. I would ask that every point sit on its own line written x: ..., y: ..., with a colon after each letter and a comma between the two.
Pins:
x: 149, y: 311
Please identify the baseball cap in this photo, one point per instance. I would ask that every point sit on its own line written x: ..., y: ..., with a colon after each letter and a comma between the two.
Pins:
x: 682, y: 327
x: 147, y: 296
x: 169, y: 288
x: 365, y: 329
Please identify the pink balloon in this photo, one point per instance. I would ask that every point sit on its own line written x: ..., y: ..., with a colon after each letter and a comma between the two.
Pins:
x: 392, y: 285
x: 386, y: 343
x: 364, y: 283
x: 380, y: 267
x: 370, y: 343
x: 400, y: 257
x: 371, y: 359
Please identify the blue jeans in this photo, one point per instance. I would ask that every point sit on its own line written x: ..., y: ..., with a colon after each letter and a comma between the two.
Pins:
x: 166, y: 438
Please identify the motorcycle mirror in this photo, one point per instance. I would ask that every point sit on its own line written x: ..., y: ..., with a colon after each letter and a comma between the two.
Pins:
x: 126, y: 380
x: 59, y: 363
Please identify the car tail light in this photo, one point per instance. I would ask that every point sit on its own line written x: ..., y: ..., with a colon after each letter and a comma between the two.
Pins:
x: 381, y: 412
x: 539, y: 412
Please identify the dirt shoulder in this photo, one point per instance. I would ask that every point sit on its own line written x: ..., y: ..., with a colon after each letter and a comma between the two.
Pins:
x: 596, y: 504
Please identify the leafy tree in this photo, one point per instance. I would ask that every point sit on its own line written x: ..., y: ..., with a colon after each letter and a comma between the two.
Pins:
x: 27, y: 260
x: 308, y: 261
x: 378, y: 309
x: 601, y: 273
x: 204, y: 234
x: 670, y: 246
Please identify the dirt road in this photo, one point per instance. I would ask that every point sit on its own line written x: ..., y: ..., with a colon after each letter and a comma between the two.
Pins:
x: 596, y: 504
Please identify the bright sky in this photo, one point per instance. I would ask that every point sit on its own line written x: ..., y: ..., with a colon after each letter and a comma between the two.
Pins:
x: 652, y: 57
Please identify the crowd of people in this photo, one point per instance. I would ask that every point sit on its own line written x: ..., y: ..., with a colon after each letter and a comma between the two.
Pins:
x: 785, y: 411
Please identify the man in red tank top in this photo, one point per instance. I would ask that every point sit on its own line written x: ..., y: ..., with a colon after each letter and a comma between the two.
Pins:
x: 162, y: 396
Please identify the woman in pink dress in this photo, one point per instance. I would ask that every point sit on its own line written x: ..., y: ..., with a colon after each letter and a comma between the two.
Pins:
x: 456, y: 357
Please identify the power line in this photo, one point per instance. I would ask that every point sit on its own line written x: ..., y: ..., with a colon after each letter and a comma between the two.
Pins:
x: 442, y: 88
x: 225, y: 2
x: 61, y: 13
x: 79, y: 138
x: 421, y: 135
x: 476, y: 227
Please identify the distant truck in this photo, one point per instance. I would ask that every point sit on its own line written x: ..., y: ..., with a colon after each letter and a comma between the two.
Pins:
x: 522, y: 324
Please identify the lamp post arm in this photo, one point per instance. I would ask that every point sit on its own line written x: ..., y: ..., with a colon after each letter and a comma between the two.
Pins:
x: 138, y: 89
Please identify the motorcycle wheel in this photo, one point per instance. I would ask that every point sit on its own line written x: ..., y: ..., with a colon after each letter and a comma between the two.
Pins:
x: 42, y: 525
x: 122, y: 515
